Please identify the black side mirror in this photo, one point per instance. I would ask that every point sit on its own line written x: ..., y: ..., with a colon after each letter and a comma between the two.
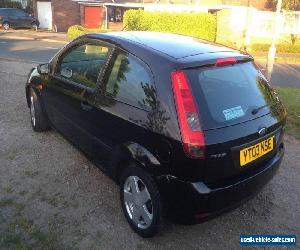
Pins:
x: 43, y: 69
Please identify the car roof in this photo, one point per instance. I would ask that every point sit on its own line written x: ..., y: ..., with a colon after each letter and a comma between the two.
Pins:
x: 9, y: 9
x: 171, y: 45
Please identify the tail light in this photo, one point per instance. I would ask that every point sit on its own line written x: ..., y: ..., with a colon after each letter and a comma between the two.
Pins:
x: 191, y: 133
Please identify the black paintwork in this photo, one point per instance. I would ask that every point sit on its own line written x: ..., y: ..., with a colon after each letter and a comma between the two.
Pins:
x: 16, y: 18
x: 113, y: 134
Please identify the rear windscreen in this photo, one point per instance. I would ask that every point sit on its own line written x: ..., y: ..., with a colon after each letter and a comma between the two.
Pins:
x: 228, y: 95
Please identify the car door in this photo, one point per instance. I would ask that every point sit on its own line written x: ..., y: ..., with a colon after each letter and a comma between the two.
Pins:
x: 13, y: 18
x: 70, y: 91
x: 122, y: 107
x: 24, y: 19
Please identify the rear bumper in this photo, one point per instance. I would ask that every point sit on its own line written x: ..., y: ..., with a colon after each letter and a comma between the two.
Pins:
x: 199, y: 201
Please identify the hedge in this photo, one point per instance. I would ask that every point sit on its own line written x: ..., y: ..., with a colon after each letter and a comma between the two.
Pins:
x: 200, y: 25
x: 77, y: 30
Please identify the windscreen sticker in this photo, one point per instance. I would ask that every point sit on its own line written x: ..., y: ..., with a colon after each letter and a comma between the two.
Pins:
x: 233, y: 113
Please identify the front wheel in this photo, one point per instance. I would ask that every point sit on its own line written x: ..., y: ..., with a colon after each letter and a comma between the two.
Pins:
x: 6, y: 26
x: 140, y: 201
x: 39, y: 120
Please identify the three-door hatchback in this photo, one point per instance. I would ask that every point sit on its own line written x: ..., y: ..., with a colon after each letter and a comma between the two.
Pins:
x: 183, y: 126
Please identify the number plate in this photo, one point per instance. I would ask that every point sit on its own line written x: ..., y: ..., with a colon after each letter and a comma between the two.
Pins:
x: 256, y: 151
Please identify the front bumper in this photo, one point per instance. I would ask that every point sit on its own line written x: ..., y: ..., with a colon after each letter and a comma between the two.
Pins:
x: 198, y: 201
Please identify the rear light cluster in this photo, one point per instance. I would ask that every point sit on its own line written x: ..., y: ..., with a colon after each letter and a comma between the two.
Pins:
x: 191, y: 133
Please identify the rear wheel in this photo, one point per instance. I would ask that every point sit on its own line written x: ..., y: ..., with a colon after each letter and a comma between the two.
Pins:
x: 6, y: 26
x: 140, y: 201
x: 39, y: 121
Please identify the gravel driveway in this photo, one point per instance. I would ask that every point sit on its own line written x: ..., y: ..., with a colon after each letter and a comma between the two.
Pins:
x: 52, y: 197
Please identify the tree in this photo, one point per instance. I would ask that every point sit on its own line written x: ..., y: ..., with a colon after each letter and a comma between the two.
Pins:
x: 10, y: 4
x: 286, y: 4
x: 292, y: 5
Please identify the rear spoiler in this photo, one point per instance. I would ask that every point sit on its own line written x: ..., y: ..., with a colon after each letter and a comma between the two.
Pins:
x: 214, y: 59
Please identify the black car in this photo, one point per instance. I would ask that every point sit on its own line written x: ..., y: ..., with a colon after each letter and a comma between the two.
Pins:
x: 187, y: 128
x: 16, y: 18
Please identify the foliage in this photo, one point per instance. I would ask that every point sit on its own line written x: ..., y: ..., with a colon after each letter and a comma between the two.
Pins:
x: 262, y: 44
x: 291, y: 100
x: 29, y: 7
x: 200, y: 25
x: 10, y: 4
x: 286, y: 4
x: 280, y: 48
x: 77, y: 30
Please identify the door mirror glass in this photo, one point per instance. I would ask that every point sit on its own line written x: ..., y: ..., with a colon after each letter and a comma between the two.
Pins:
x: 43, y: 69
x: 66, y: 72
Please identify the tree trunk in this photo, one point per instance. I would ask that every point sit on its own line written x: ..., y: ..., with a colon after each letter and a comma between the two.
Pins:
x: 293, y: 38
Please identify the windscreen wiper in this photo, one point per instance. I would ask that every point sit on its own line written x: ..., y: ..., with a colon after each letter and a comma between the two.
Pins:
x: 256, y: 110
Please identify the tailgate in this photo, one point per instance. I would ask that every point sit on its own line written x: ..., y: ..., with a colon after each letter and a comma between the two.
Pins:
x: 226, y: 148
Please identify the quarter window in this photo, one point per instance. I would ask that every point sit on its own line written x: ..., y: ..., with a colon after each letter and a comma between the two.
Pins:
x: 130, y: 81
x: 83, y: 64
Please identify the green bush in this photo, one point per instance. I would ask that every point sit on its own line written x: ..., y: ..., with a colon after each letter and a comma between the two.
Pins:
x: 10, y: 4
x: 200, y: 25
x: 77, y: 30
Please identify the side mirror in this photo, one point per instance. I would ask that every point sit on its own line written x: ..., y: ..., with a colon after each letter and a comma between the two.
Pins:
x: 43, y: 69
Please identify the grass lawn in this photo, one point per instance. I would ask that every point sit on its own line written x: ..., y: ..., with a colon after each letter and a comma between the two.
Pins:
x: 291, y: 100
x: 283, y: 45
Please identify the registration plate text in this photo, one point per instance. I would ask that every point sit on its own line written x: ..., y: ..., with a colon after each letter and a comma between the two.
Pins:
x: 256, y: 151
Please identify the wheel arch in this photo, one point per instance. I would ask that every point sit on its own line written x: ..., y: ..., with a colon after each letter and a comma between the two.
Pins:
x: 30, y: 83
x: 27, y: 91
x: 132, y: 152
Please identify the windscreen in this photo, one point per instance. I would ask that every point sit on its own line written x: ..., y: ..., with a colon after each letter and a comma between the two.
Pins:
x: 229, y: 95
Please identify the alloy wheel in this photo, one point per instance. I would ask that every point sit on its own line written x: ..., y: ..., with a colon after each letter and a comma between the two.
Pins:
x: 32, y: 111
x: 6, y: 26
x: 138, y: 202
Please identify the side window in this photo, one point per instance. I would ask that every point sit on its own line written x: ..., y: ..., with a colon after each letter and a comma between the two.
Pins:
x: 82, y: 64
x: 18, y: 13
x: 130, y: 81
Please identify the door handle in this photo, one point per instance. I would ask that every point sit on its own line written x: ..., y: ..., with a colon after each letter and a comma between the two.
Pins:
x: 86, y: 106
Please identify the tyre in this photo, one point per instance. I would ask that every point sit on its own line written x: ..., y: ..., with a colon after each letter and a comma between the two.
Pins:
x: 6, y: 26
x: 140, y: 201
x: 34, y: 26
x: 39, y: 121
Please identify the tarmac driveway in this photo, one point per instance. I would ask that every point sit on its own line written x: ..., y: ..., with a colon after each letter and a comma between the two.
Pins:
x: 51, y: 196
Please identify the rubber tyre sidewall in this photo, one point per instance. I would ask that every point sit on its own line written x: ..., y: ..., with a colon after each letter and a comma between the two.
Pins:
x: 133, y: 170
x: 41, y: 123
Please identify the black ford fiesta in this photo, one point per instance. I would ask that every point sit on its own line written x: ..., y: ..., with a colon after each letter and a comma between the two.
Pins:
x: 186, y: 128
